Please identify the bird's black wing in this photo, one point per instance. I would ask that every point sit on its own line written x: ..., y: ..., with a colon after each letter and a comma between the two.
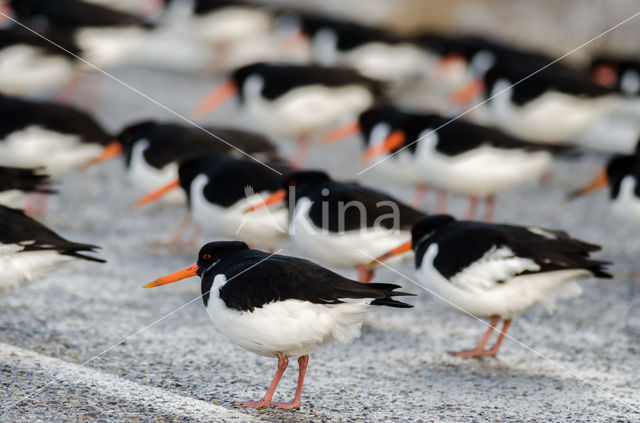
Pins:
x: 25, y: 180
x: 278, y: 278
x: 488, y: 254
x: 18, y: 229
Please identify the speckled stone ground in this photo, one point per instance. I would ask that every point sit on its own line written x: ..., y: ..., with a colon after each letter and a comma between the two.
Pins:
x: 170, y: 364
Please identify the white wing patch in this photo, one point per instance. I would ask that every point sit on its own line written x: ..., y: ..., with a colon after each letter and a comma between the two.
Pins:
x: 542, y: 232
x: 495, y: 268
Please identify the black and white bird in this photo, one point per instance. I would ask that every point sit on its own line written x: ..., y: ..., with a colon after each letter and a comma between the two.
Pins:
x: 342, y: 224
x: 530, y: 108
x: 52, y: 136
x: 296, y: 101
x: 450, y: 155
x: 152, y: 151
x: 17, y: 183
x: 105, y: 37
x: 280, y: 306
x: 29, y: 250
x: 497, y: 271
x: 375, y: 52
x: 622, y: 175
x: 220, y: 188
x: 29, y: 64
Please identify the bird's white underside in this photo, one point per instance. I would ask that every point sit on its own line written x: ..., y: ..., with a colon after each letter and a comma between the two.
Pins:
x: 304, y: 110
x: 292, y: 327
x: 30, y: 70
x: 343, y: 249
x: 13, y: 198
x: 482, y: 171
x: 627, y: 205
x: 552, y: 118
x: 57, y: 153
x: 18, y: 266
x: 475, y: 290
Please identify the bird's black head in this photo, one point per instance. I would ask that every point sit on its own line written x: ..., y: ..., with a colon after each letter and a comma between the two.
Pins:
x: 383, y: 116
x: 620, y: 167
x: 304, y: 178
x: 134, y: 132
x: 210, y: 254
x: 427, y: 227
x: 240, y: 75
x: 300, y: 183
x: 189, y: 169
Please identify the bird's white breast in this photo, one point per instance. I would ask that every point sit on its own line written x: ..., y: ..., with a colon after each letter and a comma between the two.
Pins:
x: 28, y: 70
x: 553, y: 117
x: 481, y: 171
x: 148, y: 178
x: 293, y: 327
x: 346, y: 248
x: 38, y: 147
x: 627, y: 204
x: 308, y: 109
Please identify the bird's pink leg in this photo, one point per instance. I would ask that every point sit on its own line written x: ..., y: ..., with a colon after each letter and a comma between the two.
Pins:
x: 176, y: 239
x: 479, y: 349
x: 473, y: 208
x: 295, y: 404
x: 441, y: 205
x: 493, y: 351
x: 67, y: 94
x: 283, y: 361
x: 418, y: 195
x: 365, y: 275
x: 489, y: 206
x: 301, y: 152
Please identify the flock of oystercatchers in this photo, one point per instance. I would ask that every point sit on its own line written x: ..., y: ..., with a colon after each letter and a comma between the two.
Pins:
x: 314, y: 79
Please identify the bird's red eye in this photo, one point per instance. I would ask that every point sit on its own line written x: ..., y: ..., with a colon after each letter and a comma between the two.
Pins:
x: 206, y: 256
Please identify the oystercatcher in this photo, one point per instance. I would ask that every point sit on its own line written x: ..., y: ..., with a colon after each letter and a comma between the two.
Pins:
x: 220, y: 188
x: 56, y: 137
x: 622, y: 174
x: 296, y: 100
x: 497, y: 271
x: 453, y: 156
x: 530, y: 109
x: 32, y: 65
x: 16, y: 183
x: 152, y: 151
x: 105, y: 36
x: 280, y: 306
x: 29, y: 250
x: 342, y: 224
x: 375, y: 52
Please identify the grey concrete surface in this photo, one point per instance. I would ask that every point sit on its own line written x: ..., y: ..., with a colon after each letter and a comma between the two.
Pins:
x: 579, y: 364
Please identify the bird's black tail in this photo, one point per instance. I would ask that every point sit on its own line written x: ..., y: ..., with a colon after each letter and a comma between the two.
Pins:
x: 387, y: 292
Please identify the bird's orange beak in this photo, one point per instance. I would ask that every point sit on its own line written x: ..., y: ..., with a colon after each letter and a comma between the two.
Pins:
x: 341, y: 132
x: 394, y: 140
x: 215, y: 98
x: 605, y: 75
x: 444, y: 65
x: 155, y: 195
x: 110, y: 151
x: 395, y: 252
x: 599, y: 182
x: 174, y: 277
x: 277, y: 197
x: 467, y: 93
